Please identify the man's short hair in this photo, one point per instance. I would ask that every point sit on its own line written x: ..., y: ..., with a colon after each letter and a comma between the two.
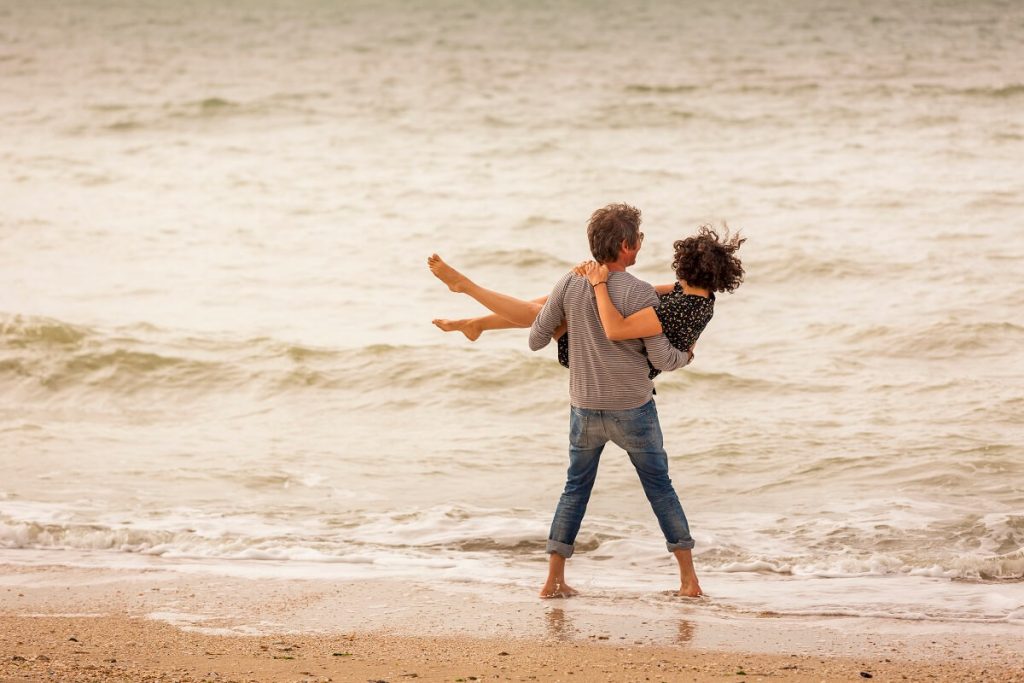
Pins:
x: 609, y: 226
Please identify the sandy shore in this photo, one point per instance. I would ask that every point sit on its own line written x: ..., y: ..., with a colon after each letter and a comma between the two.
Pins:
x: 118, y: 648
x: 80, y: 624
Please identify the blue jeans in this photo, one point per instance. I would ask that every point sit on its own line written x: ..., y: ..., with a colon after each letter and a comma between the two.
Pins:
x: 638, y: 432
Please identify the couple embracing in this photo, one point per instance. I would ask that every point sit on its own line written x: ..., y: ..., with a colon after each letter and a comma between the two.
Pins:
x: 615, y: 333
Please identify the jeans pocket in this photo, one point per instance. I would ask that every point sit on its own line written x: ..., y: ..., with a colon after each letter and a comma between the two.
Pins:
x: 640, y: 428
x: 577, y: 428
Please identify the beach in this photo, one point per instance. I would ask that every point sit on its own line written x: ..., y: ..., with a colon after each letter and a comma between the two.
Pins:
x: 99, y: 625
x: 227, y: 421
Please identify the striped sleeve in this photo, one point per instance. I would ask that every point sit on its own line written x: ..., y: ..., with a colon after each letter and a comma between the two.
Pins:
x: 550, y: 316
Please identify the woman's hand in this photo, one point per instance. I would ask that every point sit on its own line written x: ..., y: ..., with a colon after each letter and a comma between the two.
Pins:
x: 596, y: 273
x: 593, y: 271
x: 581, y: 269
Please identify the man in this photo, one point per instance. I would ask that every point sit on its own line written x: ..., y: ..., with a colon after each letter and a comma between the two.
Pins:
x: 611, y: 395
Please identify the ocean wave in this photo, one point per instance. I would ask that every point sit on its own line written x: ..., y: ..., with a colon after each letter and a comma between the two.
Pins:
x: 447, y: 533
x: 1007, y: 91
x: 773, y: 87
x: 936, y: 339
x: 194, y: 533
x: 20, y: 332
x: 1008, y: 568
x: 944, y: 339
x: 122, y: 118
x: 53, y: 355
x: 799, y: 265
x: 50, y: 356
x: 445, y: 545
x: 731, y: 382
x: 618, y: 117
x: 653, y: 89
x: 539, y: 222
x: 514, y: 258
x: 46, y: 358
x: 1006, y: 410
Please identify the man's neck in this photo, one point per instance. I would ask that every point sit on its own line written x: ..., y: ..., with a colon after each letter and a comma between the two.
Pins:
x: 616, y: 266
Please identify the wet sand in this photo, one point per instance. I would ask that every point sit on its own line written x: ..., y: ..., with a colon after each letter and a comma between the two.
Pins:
x: 119, y: 648
x: 74, y: 624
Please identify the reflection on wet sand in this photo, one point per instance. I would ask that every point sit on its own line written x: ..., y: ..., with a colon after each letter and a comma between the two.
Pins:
x: 684, y: 636
x: 560, y: 626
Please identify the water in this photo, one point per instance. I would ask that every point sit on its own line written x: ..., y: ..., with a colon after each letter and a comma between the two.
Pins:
x: 214, y: 309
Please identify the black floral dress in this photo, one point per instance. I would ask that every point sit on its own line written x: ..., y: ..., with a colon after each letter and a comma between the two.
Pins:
x: 683, y: 317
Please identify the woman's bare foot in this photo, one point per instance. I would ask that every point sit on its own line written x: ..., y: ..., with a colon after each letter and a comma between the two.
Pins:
x: 442, y: 271
x: 557, y: 589
x: 466, y: 326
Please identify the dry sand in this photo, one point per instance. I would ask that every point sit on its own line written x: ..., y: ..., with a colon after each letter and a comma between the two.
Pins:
x: 68, y: 624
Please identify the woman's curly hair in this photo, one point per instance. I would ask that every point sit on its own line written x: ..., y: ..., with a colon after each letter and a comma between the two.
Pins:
x: 708, y: 261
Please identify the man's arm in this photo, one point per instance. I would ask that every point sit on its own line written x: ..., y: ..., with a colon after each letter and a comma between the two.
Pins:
x: 550, y: 316
x: 663, y: 355
x: 660, y: 352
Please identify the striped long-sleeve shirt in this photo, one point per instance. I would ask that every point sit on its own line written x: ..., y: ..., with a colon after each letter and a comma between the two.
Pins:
x: 604, y: 374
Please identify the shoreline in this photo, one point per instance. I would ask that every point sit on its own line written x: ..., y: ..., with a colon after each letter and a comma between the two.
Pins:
x: 164, y: 625
x: 122, y: 648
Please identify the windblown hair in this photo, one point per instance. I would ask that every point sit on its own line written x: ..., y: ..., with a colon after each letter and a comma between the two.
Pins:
x: 708, y: 261
x: 609, y: 226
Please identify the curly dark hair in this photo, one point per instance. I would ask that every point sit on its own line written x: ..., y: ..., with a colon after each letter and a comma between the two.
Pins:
x: 708, y: 261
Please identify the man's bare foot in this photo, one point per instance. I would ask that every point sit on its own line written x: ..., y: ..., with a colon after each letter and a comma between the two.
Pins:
x: 442, y: 271
x: 466, y: 326
x: 690, y: 589
x: 557, y: 589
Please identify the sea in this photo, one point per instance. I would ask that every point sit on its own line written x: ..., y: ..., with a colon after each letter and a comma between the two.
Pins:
x: 216, y: 345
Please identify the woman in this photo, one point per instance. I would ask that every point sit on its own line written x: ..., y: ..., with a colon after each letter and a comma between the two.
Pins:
x: 704, y: 264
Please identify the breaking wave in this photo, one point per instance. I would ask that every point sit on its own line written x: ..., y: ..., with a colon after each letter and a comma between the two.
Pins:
x: 38, y: 354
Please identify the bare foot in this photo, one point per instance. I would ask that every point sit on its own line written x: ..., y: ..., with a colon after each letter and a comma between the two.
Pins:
x: 557, y: 589
x: 690, y: 589
x: 446, y: 274
x: 466, y: 326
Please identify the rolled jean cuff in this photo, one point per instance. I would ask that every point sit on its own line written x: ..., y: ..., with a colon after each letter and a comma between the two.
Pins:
x: 672, y: 547
x: 563, y: 549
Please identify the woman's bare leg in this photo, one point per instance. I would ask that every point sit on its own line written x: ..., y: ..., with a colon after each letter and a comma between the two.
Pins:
x: 474, y: 327
x: 516, y: 311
